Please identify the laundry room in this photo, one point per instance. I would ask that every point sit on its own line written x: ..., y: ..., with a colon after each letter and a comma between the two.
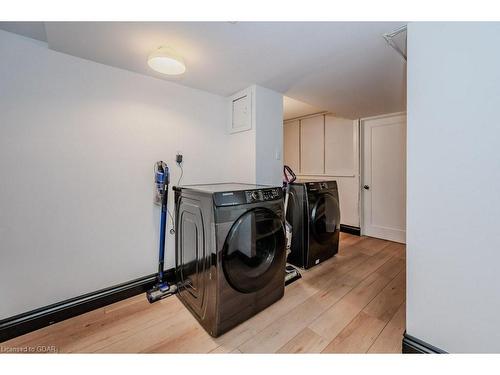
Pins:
x: 161, y: 189
x: 221, y: 186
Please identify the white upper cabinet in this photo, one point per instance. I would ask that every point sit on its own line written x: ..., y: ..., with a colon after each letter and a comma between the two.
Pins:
x: 291, y: 139
x: 312, y: 146
x: 322, y: 146
x: 325, y: 147
x: 340, y: 146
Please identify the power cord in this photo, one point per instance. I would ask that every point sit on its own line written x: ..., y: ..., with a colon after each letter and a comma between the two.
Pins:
x: 182, y: 174
x: 172, y: 230
x: 178, y: 160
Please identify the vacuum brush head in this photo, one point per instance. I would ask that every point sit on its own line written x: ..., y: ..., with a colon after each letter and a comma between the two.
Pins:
x: 158, y: 292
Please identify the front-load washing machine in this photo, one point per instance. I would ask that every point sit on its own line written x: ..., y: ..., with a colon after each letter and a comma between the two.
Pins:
x: 230, y: 251
x: 314, y: 213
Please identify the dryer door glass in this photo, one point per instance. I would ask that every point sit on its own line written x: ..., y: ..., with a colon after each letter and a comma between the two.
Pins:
x: 325, y: 218
x: 254, y: 250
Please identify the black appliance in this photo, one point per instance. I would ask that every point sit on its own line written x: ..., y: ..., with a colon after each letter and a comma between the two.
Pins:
x: 230, y: 251
x: 314, y: 213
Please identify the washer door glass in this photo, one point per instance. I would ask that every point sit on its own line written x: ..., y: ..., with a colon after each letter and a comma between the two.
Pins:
x: 254, y: 250
x: 325, y: 217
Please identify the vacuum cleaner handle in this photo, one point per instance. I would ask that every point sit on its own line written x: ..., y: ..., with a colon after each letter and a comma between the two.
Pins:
x: 289, y: 178
x: 164, y: 200
x: 288, y: 174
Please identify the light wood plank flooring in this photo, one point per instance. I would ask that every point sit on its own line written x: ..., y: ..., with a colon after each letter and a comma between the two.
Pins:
x: 353, y: 303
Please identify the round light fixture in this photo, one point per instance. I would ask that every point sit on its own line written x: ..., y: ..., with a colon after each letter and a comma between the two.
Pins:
x: 166, y: 61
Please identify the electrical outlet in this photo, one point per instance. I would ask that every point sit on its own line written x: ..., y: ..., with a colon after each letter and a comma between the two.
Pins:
x: 178, y: 157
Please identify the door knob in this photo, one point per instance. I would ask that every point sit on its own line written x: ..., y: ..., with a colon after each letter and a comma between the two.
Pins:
x: 366, y: 187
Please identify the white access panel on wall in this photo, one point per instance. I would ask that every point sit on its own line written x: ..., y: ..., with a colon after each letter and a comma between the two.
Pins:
x: 291, y: 145
x: 241, y: 111
x: 312, y: 145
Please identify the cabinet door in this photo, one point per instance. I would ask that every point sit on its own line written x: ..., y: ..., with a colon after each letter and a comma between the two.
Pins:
x: 291, y: 138
x: 340, y: 146
x: 312, y: 145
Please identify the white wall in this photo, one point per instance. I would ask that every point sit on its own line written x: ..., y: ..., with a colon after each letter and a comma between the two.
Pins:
x: 78, y: 141
x: 241, y: 151
x: 269, y: 137
x: 256, y: 154
x: 240, y: 155
x: 453, y: 237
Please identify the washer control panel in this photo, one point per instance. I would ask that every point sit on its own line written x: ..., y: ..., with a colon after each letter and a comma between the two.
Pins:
x: 262, y: 195
x: 234, y: 198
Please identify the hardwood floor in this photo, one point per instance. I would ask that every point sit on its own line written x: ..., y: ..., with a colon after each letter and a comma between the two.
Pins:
x: 353, y: 303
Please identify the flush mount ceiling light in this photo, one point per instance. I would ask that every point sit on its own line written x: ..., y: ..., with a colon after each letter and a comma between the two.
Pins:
x: 166, y: 61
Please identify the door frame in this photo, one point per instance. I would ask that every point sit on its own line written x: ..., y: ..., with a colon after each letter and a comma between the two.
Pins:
x: 361, y: 139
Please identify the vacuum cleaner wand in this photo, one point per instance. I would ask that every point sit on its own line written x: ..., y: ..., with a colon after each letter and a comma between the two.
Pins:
x: 289, y: 177
x: 162, y: 179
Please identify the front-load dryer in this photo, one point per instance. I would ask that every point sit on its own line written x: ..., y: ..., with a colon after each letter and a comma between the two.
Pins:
x: 314, y: 213
x: 230, y: 251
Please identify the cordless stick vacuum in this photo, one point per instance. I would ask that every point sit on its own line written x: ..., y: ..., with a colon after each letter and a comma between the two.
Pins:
x: 162, y: 288
x: 289, y: 177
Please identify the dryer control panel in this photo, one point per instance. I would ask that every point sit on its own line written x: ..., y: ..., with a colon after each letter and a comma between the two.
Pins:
x: 321, y: 185
x: 233, y: 198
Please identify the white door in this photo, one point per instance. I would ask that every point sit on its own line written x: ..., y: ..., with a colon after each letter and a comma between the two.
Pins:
x: 383, y: 183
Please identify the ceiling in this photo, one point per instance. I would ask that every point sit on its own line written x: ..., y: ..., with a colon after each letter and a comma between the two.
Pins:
x: 343, y: 67
x: 293, y: 108
x: 35, y: 30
